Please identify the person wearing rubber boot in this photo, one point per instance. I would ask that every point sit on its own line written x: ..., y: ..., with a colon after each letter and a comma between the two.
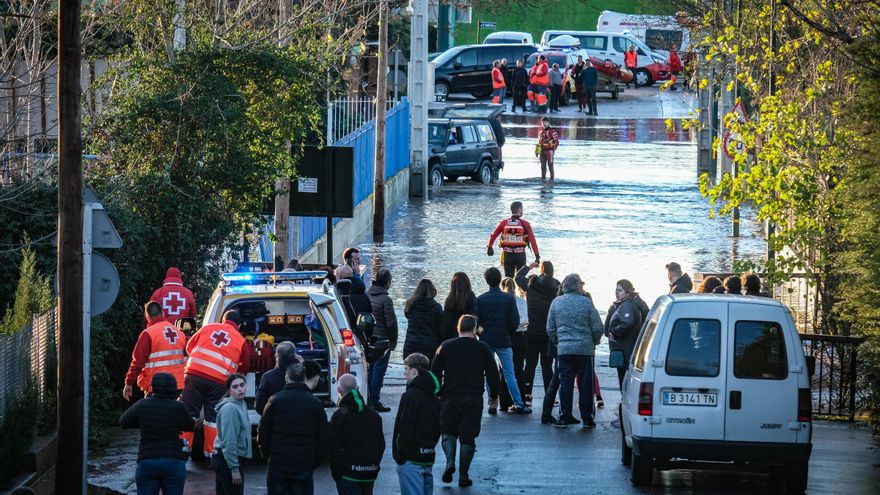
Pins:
x: 463, y: 364
x: 548, y: 141
x: 417, y: 427
x: 516, y: 235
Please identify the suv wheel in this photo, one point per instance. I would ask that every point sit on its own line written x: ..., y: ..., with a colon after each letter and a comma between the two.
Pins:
x: 436, y: 177
x: 642, y: 470
x: 485, y: 173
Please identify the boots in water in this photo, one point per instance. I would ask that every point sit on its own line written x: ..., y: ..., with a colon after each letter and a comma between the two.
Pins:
x: 464, y: 463
x: 449, y: 443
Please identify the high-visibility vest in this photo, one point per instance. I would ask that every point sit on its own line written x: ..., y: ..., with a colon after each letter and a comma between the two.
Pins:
x: 630, y: 59
x: 542, y: 74
x: 167, y: 355
x: 514, y: 234
x: 497, y: 79
x: 215, y: 351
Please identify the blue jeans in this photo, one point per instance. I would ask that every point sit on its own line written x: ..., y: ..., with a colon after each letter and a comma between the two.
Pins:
x: 377, y: 377
x: 415, y: 479
x: 505, y: 355
x: 578, y: 368
x: 167, y: 474
x: 300, y: 483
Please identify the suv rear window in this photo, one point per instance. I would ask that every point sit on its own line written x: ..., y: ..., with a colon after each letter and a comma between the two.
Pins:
x: 694, y: 348
x: 759, y: 351
x: 485, y: 132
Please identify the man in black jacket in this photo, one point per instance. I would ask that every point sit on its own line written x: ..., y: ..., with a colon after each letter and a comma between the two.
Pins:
x: 273, y: 380
x: 679, y: 282
x: 417, y: 427
x: 463, y: 364
x: 520, y: 86
x: 540, y: 291
x: 293, y: 434
x: 357, y: 441
x: 496, y: 312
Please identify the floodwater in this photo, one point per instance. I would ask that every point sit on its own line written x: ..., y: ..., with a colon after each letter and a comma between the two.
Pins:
x: 625, y: 202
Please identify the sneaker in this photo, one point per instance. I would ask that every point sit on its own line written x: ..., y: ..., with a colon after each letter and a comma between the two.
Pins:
x: 379, y: 407
x: 511, y: 409
x: 589, y: 424
x: 522, y: 409
x: 548, y: 420
x: 599, y: 403
x: 564, y: 422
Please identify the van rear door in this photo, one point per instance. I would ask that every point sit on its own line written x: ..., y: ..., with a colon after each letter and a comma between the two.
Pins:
x: 689, y: 380
x: 762, y: 379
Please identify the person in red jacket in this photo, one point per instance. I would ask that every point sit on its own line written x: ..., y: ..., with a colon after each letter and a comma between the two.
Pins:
x: 631, y: 60
x: 542, y: 83
x: 516, y: 235
x: 176, y: 300
x: 674, y: 67
x: 498, y: 84
x: 216, y: 352
x: 548, y: 141
x: 160, y: 348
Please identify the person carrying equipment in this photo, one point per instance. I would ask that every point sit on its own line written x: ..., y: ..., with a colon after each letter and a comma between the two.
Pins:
x: 516, y: 235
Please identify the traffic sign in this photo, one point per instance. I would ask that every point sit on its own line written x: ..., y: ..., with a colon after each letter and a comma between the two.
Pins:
x: 105, y: 284
x: 488, y: 25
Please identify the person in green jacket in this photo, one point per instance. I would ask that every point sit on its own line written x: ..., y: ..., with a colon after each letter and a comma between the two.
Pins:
x: 233, y: 438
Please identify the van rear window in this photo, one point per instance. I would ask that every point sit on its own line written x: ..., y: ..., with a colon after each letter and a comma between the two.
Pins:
x: 694, y: 348
x: 759, y: 351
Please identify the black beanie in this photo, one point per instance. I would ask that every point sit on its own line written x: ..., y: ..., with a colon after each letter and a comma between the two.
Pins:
x: 164, y: 386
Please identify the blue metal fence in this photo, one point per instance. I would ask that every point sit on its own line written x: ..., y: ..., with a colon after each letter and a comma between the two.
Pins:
x: 363, y: 140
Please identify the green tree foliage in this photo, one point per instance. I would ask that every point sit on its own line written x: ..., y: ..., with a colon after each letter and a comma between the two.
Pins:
x: 32, y: 296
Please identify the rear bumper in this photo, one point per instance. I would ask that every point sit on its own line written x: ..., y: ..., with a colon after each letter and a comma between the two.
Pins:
x: 712, y: 450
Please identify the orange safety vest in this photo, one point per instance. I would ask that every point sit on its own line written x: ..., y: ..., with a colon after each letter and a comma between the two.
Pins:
x: 542, y: 74
x: 214, y: 351
x: 630, y: 59
x: 514, y: 234
x: 167, y: 346
x: 497, y: 79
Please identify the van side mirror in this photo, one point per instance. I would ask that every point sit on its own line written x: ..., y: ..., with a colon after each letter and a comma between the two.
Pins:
x: 811, y: 365
x: 186, y: 325
x: 365, y: 323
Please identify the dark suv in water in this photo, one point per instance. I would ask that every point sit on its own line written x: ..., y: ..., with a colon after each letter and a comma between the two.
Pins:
x: 463, y: 143
x: 468, y: 68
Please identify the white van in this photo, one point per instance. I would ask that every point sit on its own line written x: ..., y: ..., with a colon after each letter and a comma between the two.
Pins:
x: 609, y: 46
x: 659, y: 32
x: 718, y: 378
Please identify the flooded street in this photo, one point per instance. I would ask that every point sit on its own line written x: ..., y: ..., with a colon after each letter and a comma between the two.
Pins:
x: 625, y: 202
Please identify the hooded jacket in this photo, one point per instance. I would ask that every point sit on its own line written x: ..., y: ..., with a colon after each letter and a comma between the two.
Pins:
x: 417, y: 426
x: 573, y: 325
x: 294, y: 432
x: 623, y: 323
x: 161, y: 418
x: 176, y: 300
x: 233, y: 431
x: 540, y: 291
x: 423, y: 332
x: 383, y: 311
x: 356, y: 440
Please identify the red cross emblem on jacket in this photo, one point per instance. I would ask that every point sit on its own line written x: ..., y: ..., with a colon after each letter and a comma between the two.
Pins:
x: 220, y: 338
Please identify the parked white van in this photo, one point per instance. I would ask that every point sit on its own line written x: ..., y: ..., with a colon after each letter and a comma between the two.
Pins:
x: 659, y: 32
x: 611, y: 46
x: 718, y: 378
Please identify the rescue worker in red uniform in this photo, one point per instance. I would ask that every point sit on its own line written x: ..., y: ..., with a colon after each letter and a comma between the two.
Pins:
x: 215, y: 352
x: 548, y: 141
x: 516, y: 235
x: 176, y: 300
x: 160, y: 349
x: 674, y: 67
x: 631, y: 61
x: 498, y: 84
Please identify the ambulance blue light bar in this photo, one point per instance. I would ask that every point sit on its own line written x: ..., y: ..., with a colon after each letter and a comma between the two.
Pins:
x: 266, y: 278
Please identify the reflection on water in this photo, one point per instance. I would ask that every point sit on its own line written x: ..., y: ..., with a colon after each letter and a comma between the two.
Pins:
x: 624, y: 204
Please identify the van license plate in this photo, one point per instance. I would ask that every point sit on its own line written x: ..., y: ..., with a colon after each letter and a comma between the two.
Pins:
x: 689, y: 399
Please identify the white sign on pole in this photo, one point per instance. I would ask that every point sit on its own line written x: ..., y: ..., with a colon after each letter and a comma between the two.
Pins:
x: 308, y: 185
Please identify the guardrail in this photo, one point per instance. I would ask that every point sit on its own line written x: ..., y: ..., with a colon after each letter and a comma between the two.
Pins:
x: 834, y: 382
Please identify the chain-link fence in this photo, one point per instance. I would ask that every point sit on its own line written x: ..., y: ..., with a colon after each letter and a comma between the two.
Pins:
x: 29, y: 354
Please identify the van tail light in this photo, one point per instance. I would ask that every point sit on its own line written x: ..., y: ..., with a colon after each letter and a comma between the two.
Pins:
x: 805, y: 405
x: 347, y: 337
x: 646, y: 399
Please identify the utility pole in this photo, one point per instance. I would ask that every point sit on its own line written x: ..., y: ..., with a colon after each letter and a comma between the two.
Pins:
x: 282, y: 184
x: 381, y: 93
x: 735, y: 164
x: 418, y: 85
x: 70, y: 474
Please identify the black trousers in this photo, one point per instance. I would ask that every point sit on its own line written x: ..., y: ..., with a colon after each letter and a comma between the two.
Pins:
x: 591, y: 100
x: 519, y: 98
x: 555, y: 96
x: 513, y: 262
x: 461, y: 416
x: 537, y: 352
x: 223, y: 476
